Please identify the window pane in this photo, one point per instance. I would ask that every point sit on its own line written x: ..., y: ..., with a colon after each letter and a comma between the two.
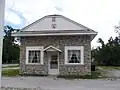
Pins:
x: 34, y: 57
x: 74, y: 56
x: 54, y: 57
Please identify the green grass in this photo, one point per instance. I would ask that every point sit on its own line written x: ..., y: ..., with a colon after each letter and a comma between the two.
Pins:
x: 11, y: 66
x: 10, y: 72
x: 98, y: 73
x: 95, y: 75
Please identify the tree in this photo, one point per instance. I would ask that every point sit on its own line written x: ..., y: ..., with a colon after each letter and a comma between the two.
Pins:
x: 107, y: 54
x: 101, y: 41
x: 10, y: 48
x: 117, y: 30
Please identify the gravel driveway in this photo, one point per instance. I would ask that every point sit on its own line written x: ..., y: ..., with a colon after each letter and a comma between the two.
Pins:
x: 47, y: 83
x: 114, y: 73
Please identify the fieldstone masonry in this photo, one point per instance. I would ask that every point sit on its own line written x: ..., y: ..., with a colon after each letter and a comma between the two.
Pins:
x: 61, y: 42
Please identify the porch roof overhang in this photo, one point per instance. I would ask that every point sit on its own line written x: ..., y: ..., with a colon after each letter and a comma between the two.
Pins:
x: 52, y: 48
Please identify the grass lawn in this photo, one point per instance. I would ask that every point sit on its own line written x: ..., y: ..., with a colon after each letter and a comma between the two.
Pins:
x: 10, y: 72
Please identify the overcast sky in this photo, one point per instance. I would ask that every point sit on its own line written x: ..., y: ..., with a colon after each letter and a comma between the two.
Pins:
x: 99, y: 15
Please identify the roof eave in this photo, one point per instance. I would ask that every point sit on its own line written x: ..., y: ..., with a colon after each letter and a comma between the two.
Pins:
x: 58, y: 34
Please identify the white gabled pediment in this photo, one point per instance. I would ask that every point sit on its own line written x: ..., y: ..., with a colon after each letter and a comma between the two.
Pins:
x: 61, y: 23
x: 51, y: 48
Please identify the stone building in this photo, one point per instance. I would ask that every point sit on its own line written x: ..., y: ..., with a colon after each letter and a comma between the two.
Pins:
x: 55, y: 45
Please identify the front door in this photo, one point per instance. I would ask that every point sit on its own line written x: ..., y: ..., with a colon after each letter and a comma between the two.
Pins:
x: 53, y: 63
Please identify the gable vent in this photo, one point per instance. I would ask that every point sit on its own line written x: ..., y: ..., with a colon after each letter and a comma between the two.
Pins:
x: 53, y: 26
x: 53, y: 19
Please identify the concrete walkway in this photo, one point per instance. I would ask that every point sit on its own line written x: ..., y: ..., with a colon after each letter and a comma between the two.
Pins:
x: 60, y: 84
x: 10, y: 68
x: 5, y: 65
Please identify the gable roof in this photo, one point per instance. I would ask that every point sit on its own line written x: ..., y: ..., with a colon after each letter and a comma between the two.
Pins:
x: 37, y: 21
x: 55, y: 15
x: 81, y: 29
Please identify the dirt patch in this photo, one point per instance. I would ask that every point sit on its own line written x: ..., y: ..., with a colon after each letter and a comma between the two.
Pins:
x: 109, y: 72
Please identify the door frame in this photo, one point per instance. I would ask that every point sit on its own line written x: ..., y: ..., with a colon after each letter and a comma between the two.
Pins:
x: 53, y: 71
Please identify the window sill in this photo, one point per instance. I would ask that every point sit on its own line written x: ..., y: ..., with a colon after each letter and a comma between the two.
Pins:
x: 34, y: 64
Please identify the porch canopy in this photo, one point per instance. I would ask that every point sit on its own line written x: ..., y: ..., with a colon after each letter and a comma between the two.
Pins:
x: 52, y: 48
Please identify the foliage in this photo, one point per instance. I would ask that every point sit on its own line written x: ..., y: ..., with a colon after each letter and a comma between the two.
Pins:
x: 117, y: 29
x: 108, y: 54
x: 10, y: 49
x: 10, y: 72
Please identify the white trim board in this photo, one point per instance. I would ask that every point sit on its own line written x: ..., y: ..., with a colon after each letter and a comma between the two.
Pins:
x: 54, y: 34
x: 56, y: 49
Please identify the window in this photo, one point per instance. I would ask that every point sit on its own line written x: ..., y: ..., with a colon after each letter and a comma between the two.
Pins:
x: 74, y: 55
x: 53, y: 19
x: 34, y: 55
x: 54, y: 57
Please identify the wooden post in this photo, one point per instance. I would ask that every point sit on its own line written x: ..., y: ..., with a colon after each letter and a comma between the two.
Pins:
x: 2, y: 9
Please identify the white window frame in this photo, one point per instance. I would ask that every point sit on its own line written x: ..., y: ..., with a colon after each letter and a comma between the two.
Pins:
x: 81, y: 48
x: 29, y: 48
